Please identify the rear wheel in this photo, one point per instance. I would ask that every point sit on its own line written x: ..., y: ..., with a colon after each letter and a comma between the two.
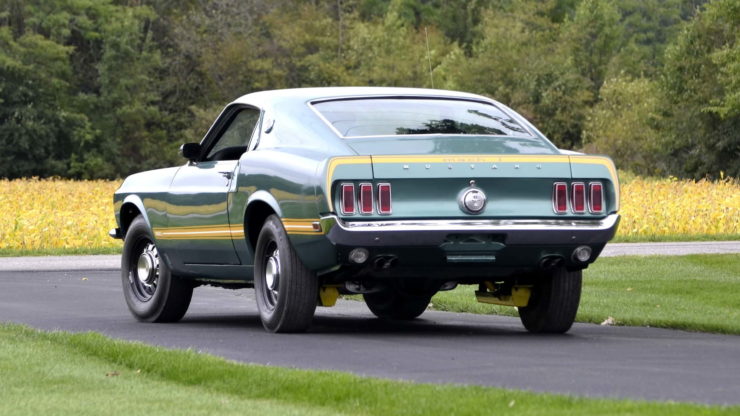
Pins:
x: 392, y: 303
x: 152, y: 293
x: 554, y: 302
x: 286, y: 291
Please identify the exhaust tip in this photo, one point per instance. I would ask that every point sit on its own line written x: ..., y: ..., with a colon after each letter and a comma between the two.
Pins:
x: 358, y: 255
x: 581, y: 254
x: 385, y: 262
x: 551, y: 262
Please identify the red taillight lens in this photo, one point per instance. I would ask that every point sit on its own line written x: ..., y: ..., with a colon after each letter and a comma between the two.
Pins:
x: 579, y: 197
x: 348, y: 198
x: 560, y: 197
x: 366, y: 198
x: 384, y: 198
x: 596, y: 196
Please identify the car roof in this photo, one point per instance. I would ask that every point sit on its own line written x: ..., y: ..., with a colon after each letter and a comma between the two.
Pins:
x: 313, y: 94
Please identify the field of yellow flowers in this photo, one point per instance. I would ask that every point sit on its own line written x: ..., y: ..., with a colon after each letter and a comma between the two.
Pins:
x: 658, y: 208
x: 54, y: 214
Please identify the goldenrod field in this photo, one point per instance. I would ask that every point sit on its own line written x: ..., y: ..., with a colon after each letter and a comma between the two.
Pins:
x: 61, y: 214
x: 56, y: 214
x: 671, y: 207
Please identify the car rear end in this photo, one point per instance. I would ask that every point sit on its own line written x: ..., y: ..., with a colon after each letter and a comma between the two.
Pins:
x: 459, y: 189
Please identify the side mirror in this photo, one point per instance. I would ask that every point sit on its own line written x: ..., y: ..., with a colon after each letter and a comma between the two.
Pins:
x: 190, y: 151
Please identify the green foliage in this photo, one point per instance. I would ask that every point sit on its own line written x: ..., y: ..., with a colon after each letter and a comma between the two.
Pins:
x: 103, y: 88
x: 37, y: 126
x: 592, y: 36
x: 701, y: 85
x: 80, y: 90
x: 647, y: 27
x: 625, y: 124
x: 520, y: 61
x: 392, y: 52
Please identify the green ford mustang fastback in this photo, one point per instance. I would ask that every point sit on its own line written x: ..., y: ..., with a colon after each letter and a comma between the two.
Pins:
x: 392, y: 193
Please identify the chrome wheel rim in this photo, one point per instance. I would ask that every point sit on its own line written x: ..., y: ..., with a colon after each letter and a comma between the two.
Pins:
x: 271, y: 278
x: 145, y: 271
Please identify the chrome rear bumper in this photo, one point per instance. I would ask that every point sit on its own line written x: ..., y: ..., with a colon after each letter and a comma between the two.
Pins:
x: 434, y: 232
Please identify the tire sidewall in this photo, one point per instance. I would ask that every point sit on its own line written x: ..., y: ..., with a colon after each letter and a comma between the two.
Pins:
x: 554, y: 303
x: 151, y: 309
x: 271, y: 231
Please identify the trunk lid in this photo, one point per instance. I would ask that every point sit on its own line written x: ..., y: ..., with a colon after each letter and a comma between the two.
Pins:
x: 432, y: 186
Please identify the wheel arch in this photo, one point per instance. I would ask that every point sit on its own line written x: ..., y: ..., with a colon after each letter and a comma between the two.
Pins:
x: 260, y: 205
x: 131, y: 207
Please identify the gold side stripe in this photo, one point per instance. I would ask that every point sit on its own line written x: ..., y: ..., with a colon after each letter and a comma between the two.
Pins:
x: 337, y: 161
x: 606, y: 162
x: 195, y: 238
x: 302, y: 226
x: 199, y: 232
x: 471, y: 159
x: 198, y: 227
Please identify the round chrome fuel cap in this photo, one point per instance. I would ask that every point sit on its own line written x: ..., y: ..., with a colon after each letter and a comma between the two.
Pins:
x: 472, y: 199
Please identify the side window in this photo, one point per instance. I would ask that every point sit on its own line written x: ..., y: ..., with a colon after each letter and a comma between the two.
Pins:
x: 233, y: 141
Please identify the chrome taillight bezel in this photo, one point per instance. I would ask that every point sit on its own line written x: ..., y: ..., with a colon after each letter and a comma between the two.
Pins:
x: 366, y: 200
x: 555, y: 188
x: 344, y: 198
x: 381, y: 197
x: 591, y: 194
x: 578, y: 191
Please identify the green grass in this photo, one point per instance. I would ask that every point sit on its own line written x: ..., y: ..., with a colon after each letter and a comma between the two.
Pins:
x: 11, y: 252
x: 88, y: 374
x: 697, y: 293
x: 648, y: 238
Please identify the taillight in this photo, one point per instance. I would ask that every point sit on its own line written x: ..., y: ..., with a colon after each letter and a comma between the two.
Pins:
x: 579, y: 197
x: 596, y: 197
x: 348, y: 198
x: 384, y: 198
x: 366, y: 198
x: 560, y: 197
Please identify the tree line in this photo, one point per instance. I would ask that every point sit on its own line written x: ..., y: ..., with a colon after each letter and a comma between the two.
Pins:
x: 104, y: 88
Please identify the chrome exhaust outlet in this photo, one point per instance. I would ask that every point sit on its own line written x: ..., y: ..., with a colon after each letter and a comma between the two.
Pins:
x: 384, y: 262
x: 551, y: 262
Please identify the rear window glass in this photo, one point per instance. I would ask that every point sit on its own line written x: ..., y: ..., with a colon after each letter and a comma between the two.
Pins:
x: 417, y: 116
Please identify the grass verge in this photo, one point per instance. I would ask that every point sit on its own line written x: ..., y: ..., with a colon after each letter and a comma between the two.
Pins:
x: 77, y: 251
x: 651, y: 238
x: 696, y: 292
x: 78, y: 374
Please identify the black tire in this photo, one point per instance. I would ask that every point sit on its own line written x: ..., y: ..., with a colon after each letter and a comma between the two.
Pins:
x: 286, y: 291
x: 392, y: 303
x: 152, y: 293
x: 554, y: 302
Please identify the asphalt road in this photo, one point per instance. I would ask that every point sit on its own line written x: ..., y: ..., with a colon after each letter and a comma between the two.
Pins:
x: 591, y: 360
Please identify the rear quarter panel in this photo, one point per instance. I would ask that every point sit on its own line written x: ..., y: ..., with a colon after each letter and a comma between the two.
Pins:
x: 287, y: 181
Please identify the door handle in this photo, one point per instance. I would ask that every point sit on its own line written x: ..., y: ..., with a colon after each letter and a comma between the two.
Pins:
x: 228, y: 175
